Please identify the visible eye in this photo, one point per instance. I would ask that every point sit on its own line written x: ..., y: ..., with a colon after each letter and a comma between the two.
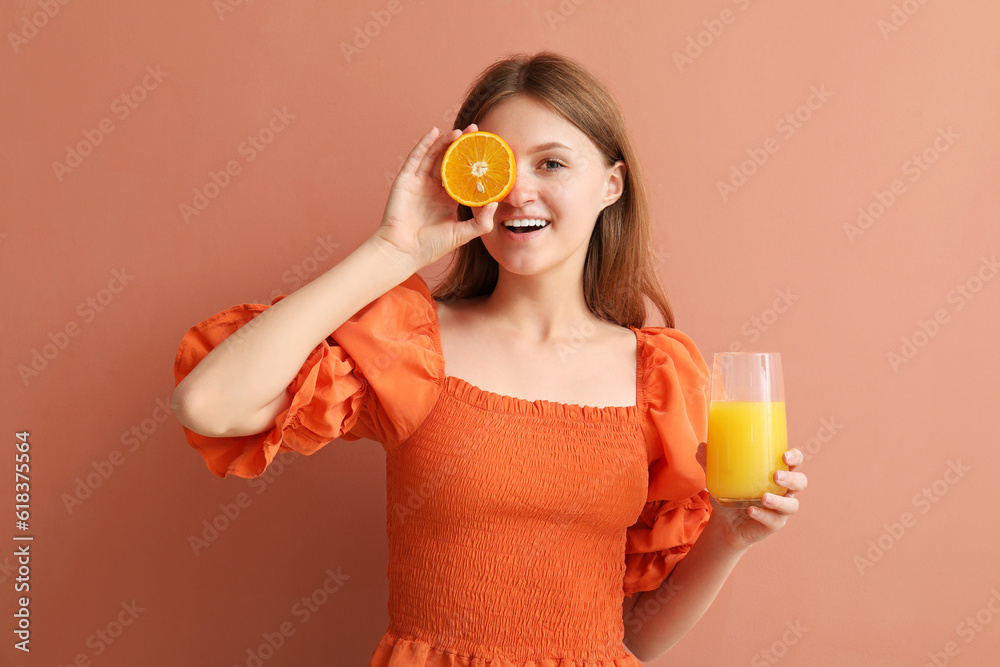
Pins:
x: 547, y: 164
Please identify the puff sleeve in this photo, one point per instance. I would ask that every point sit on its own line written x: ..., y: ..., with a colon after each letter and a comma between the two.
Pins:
x: 675, y: 385
x: 376, y: 377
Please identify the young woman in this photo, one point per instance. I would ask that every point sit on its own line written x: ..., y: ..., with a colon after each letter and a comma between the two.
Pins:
x: 546, y: 493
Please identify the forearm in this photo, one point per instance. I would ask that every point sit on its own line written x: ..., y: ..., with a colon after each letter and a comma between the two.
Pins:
x: 249, y: 371
x: 684, y: 597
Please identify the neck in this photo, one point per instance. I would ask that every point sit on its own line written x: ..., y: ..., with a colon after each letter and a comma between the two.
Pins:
x: 540, y: 307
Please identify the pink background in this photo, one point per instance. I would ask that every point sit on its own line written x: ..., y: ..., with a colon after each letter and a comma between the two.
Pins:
x: 871, y: 572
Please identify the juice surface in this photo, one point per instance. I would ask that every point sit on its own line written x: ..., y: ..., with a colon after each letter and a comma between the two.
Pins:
x: 745, y: 444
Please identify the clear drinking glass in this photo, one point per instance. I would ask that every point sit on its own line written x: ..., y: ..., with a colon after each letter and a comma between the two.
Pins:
x: 747, y: 433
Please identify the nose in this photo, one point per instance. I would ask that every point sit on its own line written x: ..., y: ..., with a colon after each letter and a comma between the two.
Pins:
x: 524, y: 191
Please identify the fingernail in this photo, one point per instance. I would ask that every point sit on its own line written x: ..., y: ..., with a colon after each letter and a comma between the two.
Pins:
x: 780, y: 476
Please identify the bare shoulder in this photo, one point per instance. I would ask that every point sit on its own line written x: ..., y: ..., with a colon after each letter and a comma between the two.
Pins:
x: 459, y: 326
x: 457, y: 311
x: 608, y: 338
x: 615, y: 331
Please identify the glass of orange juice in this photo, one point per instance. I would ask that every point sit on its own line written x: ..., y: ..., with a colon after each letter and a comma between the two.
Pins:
x: 747, y: 434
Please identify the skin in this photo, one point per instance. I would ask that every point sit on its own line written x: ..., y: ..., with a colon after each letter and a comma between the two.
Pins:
x: 539, y: 291
x: 538, y: 302
x: 568, y: 186
x: 537, y: 310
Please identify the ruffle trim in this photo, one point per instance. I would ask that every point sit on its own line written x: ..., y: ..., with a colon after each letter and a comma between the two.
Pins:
x: 313, y: 418
x: 652, y: 552
x: 376, y: 376
x: 493, y: 402
x: 393, y: 651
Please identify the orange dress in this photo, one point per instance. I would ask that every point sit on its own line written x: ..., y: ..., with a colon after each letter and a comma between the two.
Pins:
x: 515, y: 526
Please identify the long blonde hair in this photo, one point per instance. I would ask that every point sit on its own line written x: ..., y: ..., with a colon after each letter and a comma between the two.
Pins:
x: 619, y: 270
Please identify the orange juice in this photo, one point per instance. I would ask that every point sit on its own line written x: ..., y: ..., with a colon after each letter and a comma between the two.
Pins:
x: 745, y: 443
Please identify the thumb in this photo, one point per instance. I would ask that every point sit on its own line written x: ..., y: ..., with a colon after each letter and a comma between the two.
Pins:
x: 700, y: 455
x: 484, y: 217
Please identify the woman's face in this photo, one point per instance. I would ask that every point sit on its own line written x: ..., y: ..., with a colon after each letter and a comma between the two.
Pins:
x: 561, y: 180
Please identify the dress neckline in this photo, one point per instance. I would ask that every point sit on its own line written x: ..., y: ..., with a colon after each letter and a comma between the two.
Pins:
x: 496, y: 402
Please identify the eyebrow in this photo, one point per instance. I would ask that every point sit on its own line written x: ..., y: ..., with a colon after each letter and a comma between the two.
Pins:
x: 549, y: 146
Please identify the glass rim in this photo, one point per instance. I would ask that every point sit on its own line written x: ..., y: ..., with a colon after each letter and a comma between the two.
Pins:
x: 735, y: 354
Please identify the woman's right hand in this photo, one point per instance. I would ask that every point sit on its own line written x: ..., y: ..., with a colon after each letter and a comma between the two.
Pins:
x: 420, y: 218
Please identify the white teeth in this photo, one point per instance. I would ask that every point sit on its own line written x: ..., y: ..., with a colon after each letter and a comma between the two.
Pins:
x: 527, y: 222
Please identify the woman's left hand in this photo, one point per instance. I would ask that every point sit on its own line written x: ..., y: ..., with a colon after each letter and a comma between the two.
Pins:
x: 743, y: 527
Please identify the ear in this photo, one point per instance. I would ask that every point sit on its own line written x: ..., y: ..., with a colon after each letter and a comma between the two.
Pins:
x: 614, y: 184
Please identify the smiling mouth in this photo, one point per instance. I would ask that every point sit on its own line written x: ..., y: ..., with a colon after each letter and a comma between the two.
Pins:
x: 525, y: 225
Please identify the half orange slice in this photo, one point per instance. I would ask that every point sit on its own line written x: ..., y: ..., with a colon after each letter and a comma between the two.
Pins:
x: 478, y: 168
